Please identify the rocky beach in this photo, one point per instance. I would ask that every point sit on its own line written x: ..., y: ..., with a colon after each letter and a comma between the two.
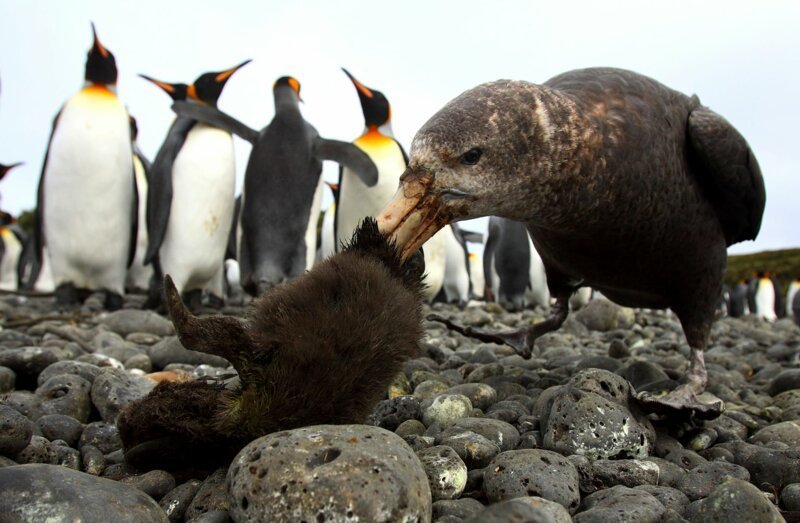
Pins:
x: 468, y: 432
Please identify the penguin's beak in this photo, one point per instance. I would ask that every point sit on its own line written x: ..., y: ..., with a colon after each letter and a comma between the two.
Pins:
x: 415, y: 213
x: 97, y: 45
x: 223, y: 76
x: 169, y: 88
x: 4, y: 169
x: 362, y: 89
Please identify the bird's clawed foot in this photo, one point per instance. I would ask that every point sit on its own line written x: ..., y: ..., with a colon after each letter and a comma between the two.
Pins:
x: 683, y: 402
x: 521, y: 340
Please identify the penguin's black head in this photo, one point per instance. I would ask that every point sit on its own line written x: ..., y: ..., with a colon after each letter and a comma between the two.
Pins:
x: 101, y: 67
x: 374, y: 104
x: 288, y: 81
x: 5, y: 168
x: 175, y: 91
x: 5, y: 219
x: 134, y: 128
x: 208, y: 87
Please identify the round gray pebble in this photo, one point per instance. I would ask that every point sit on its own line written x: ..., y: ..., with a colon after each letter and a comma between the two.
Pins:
x: 15, y: 431
x: 60, y: 426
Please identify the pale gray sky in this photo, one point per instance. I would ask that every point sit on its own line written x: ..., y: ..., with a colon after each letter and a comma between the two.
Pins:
x: 741, y: 58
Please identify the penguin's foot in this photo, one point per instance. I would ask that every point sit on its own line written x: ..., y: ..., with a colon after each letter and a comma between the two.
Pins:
x: 66, y: 296
x: 215, y: 302
x: 113, y: 301
x: 683, y: 402
x: 194, y: 300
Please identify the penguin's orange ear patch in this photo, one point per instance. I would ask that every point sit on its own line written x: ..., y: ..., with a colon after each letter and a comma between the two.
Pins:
x: 191, y: 92
x: 295, y: 85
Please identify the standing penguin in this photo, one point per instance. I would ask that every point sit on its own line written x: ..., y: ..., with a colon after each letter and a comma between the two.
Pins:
x: 11, y: 241
x: 86, y: 212
x: 738, y: 304
x: 794, y: 286
x: 476, y: 279
x: 762, y: 294
x: 507, y: 262
x: 281, y: 184
x: 357, y: 200
x: 139, y: 274
x: 327, y: 232
x: 191, y: 197
x: 457, y: 286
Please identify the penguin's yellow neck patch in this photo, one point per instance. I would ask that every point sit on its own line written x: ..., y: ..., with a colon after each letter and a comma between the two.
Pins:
x: 98, y: 90
x: 373, y: 138
x: 5, y: 232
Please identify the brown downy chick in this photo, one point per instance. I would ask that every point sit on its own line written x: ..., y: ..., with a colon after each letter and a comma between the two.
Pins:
x: 321, y: 348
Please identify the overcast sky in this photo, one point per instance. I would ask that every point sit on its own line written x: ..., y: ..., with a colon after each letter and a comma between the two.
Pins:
x: 741, y: 58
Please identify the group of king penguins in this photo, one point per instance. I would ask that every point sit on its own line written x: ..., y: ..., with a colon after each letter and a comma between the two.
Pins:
x: 109, y: 220
x: 761, y: 296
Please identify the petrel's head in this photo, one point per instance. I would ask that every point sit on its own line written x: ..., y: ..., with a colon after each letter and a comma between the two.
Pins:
x: 473, y: 158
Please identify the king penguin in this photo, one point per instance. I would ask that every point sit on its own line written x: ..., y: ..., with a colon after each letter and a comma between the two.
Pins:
x: 86, y: 212
x: 356, y: 200
x: 282, y: 187
x: 763, y: 296
x: 191, y: 196
x: 139, y: 274
x: 11, y: 241
x: 327, y: 243
x: 794, y: 286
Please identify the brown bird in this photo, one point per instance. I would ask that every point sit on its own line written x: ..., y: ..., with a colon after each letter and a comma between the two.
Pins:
x: 321, y: 348
x: 624, y: 184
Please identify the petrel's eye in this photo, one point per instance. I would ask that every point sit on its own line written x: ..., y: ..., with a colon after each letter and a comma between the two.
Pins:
x: 471, y: 157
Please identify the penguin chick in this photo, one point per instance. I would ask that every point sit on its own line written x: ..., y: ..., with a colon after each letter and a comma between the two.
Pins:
x: 321, y: 348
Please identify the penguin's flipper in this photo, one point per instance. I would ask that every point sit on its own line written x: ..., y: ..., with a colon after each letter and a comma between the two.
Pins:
x: 349, y: 156
x: 213, y: 116
x: 38, y: 216
x: 134, y: 220
x: 231, y: 252
x: 728, y: 173
x: 159, y: 191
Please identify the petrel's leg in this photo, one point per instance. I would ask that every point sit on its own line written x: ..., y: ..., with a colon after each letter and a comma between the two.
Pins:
x: 690, y: 398
x: 521, y: 340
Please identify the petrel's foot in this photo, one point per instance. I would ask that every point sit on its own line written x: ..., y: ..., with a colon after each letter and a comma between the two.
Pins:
x: 521, y: 340
x: 683, y: 402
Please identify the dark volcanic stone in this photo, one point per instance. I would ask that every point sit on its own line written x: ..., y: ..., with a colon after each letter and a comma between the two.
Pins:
x: 60, y: 426
x: 155, y: 483
x: 640, y: 373
x: 790, y: 497
x: 54, y: 493
x: 606, y: 473
x: 28, y: 362
x: 703, y: 479
x: 389, y: 414
x: 474, y: 449
x: 502, y: 434
x: 86, y: 371
x: 538, y: 473
x: 128, y: 321
x: 26, y: 403
x: 15, y: 431
x: 620, y: 504
x: 671, y: 498
x: 787, y: 380
x: 481, y: 395
x: 7, y: 379
x: 102, y: 435
x: 113, y: 389
x: 38, y: 450
x: 94, y: 462
x: 776, y: 468
x: 460, y: 508
x: 66, y: 394
x: 529, y: 509
x: 734, y: 500
x: 328, y: 473
x: 176, y: 501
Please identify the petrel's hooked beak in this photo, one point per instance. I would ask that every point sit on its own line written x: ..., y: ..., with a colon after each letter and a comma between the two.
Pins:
x: 415, y: 213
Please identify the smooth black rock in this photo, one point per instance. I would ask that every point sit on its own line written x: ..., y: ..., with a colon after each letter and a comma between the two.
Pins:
x: 502, y: 434
x: 15, y: 431
x: 787, y: 380
x: 54, y: 493
x: 154, y: 483
x: 703, y: 479
x: 169, y: 350
x: 790, y: 497
x: 61, y: 426
x: 113, y: 389
x: 128, y: 321
x: 481, y: 395
x: 38, y: 450
x: 176, y: 501
x: 7, y: 379
x: 734, y: 500
x: 461, y: 508
x: 86, y: 371
x: 671, y: 498
x: 28, y: 362
x: 94, y: 462
x: 528, y: 509
x: 776, y: 468
x: 620, y: 504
